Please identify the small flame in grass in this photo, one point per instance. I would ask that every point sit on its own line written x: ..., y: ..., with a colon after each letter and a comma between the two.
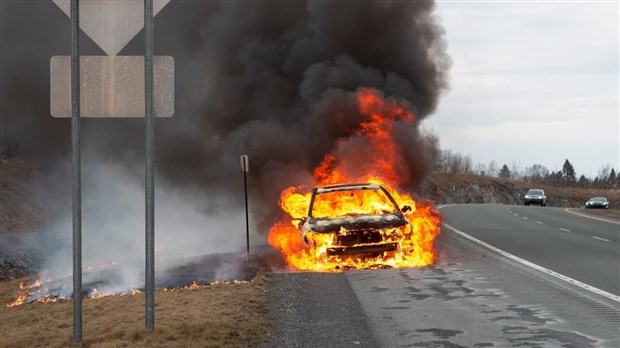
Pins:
x: 29, y: 293
x: 20, y: 300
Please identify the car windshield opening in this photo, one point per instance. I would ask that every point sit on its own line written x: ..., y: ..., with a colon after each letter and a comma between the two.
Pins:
x: 347, y: 203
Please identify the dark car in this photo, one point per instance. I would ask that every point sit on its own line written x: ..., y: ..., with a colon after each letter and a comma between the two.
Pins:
x: 535, y: 196
x: 597, y: 203
x: 354, y: 219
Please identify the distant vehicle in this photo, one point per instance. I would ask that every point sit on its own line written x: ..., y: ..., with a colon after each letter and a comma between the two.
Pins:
x: 535, y: 196
x: 355, y: 219
x: 597, y: 203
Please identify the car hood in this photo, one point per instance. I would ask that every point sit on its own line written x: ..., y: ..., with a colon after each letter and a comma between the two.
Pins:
x: 356, y: 222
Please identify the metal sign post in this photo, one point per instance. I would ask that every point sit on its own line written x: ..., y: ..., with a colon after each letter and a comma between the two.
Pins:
x: 112, y: 25
x: 77, y: 172
x: 245, y: 168
x: 150, y: 176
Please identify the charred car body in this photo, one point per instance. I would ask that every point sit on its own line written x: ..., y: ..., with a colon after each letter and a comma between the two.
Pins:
x: 365, y: 221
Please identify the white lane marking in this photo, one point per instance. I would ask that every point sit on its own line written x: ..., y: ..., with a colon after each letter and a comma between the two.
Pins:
x: 568, y: 210
x: 524, y: 218
x: 540, y: 223
x: 599, y: 238
x: 564, y: 229
x: 515, y: 214
x: 537, y: 267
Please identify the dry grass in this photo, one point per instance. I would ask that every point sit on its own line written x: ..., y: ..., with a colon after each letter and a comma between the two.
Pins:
x: 220, y: 315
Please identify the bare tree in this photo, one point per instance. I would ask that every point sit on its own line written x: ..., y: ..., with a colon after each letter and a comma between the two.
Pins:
x: 515, y: 169
x: 492, y: 168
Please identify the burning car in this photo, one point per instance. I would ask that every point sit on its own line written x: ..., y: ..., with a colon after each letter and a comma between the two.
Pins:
x: 355, y: 219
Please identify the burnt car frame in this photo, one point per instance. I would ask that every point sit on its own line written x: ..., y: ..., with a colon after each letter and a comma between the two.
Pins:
x: 597, y: 203
x: 362, y: 235
x: 535, y: 196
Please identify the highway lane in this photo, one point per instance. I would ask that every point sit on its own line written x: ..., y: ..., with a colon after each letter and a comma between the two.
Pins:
x: 584, y: 249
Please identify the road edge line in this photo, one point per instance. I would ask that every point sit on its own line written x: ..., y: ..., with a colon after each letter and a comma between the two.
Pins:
x: 569, y: 210
x: 537, y: 267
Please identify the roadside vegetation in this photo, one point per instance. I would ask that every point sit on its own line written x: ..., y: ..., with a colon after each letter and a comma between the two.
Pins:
x: 218, y: 315
x: 457, y: 180
x: 536, y: 174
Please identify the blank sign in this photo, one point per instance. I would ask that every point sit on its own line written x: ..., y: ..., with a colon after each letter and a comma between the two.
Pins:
x: 111, y: 86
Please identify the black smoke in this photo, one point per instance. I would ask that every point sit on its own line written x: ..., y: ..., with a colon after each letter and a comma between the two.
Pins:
x: 263, y: 78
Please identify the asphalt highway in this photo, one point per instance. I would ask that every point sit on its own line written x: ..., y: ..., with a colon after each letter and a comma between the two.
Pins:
x: 585, y: 249
x: 558, y: 290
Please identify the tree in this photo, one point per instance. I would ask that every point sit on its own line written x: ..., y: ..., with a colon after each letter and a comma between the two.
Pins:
x: 504, y: 172
x: 583, y: 181
x: 515, y: 169
x: 568, y: 172
x: 554, y: 179
x: 611, y: 178
x: 492, y: 168
x: 536, y: 173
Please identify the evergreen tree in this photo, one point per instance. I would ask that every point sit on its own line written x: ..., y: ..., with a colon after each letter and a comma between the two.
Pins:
x: 504, y: 172
x: 583, y: 181
x: 568, y: 172
x: 612, y: 178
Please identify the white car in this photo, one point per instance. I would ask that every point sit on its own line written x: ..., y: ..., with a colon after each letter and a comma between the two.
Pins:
x: 535, y: 196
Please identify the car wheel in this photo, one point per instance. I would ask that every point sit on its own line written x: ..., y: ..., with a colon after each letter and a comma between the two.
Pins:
x: 526, y: 204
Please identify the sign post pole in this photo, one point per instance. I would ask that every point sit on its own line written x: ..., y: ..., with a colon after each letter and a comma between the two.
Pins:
x: 150, y: 177
x: 77, y: 172
x: 245, y: 168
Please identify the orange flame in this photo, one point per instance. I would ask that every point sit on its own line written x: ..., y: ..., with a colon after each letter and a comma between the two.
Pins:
x: 380, y: 162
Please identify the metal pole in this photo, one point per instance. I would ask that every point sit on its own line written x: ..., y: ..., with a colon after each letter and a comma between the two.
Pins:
x: 247, y: 221
x: 77, y: 172
x: 150, y: 177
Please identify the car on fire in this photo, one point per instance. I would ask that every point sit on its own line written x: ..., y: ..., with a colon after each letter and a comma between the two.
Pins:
x: 355, y: 219
x: 535, y: 196
x: 597, y: 203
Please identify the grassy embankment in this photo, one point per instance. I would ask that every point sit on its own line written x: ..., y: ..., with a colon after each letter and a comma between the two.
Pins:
x: 219, y: 315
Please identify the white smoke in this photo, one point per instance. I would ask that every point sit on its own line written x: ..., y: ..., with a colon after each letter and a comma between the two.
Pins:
x: 188, y: 223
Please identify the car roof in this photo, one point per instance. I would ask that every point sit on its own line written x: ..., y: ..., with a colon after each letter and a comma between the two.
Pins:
x: 347, y: 187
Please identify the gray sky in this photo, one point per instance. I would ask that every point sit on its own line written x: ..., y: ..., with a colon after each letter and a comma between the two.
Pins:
x: 532, y: 83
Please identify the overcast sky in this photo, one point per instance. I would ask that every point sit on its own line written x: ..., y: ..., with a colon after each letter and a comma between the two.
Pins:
x: 532, y: 83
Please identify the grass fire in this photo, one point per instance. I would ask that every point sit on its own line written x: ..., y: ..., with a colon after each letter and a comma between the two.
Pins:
x: 357, y: 216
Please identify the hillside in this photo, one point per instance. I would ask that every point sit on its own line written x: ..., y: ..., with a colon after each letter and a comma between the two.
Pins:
x: 444, y: 188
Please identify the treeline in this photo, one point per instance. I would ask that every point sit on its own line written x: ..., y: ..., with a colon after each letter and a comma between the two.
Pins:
x: 537, y: 174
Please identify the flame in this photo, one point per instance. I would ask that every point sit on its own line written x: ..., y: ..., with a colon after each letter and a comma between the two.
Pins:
x: 380, y: 162
x: 20, y: 299
x: 34, y: 292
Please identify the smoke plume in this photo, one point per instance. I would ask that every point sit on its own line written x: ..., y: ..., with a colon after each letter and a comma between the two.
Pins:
x: 272, y: 80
